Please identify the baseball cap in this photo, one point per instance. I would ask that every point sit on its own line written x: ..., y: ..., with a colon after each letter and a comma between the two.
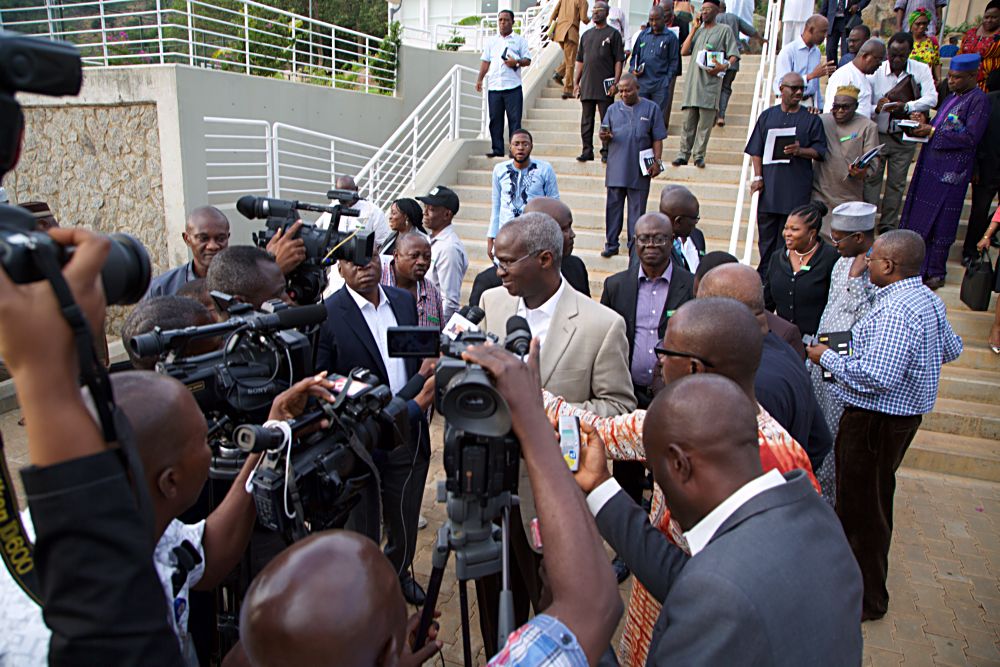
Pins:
x: 441, y: 196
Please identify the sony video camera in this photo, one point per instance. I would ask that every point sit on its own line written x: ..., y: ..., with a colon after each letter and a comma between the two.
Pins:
x: 34, y: 65
x: 323, y: 246
x: 311, y: 482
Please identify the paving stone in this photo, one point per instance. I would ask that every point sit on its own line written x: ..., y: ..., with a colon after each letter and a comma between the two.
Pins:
x: 981, y: 644
x: 882, y: 658
x: 948, y: 651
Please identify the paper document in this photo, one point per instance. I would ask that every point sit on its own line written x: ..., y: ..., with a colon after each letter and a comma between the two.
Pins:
x: 774, y: 145
x: 646, y: 159
x: 710, y: 59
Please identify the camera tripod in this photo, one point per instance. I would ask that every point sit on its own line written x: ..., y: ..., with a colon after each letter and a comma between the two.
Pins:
x: 477, y: 554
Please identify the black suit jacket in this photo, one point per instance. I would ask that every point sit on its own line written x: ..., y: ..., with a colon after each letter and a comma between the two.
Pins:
x: 776, y: 584
x: 829, y: 10
x: 621, y: 292
x: 346, y: 342
x: 698, y: 238
x: 573, y: 270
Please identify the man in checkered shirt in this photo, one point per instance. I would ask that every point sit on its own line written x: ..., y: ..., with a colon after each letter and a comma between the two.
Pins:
x: 888, y: 382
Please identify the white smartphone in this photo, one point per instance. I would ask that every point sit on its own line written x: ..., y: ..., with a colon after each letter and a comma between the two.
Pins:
x: 569, y: 440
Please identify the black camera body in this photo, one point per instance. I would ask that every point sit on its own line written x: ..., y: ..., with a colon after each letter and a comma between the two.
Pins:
x: 318, y: 486
x: 323, y: 246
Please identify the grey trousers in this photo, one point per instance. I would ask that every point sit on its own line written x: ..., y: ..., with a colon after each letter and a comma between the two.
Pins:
x: 895, y: 163
x: 698, y: 125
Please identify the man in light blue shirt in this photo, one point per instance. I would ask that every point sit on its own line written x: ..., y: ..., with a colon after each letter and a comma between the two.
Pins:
x: 803, y: 57
x: 503, y: 57
x: 516, y: 182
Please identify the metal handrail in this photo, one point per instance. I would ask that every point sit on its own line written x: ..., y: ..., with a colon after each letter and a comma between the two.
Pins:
x: 762, y: 97
x: 244, y: 36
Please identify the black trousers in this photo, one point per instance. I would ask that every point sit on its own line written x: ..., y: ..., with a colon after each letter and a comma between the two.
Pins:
x: 668, y: 105
x: 983, y: 195
x: 525, y: 585
x: 588, y: 107
x: 869, y: 448
x: 511, y: 102
x: 614, y: 211
x: 769, y: 228
x: 631, y: 475
x: 837, y: 32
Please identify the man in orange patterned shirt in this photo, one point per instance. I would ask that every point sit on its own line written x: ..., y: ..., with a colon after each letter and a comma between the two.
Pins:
x: 704, y: 336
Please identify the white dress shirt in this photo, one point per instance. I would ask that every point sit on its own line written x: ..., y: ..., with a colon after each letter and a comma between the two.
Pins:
x: 448, y: 266
x: 379, y: 320
x: 690, y: 252
x: 850, y: 75
x: 618, y: 20
x: 702, y: 532
x: 883, y: 80
x: 797, y: 57
x: 539, y: 319
x: 499, y: 76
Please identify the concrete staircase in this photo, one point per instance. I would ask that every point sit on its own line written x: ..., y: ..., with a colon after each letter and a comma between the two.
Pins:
x: 961, y: 436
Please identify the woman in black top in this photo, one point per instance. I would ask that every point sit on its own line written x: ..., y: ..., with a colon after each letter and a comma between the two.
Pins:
x: 405, y: 215
x: 799, y: 278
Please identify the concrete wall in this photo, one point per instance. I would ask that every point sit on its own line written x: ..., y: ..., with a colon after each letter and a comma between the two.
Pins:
x: 179, y: 97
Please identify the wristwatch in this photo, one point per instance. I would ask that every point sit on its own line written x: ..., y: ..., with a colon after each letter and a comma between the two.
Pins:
x: 757, y: 178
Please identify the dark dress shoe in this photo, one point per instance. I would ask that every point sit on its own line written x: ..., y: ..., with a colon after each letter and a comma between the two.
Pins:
x: 412, y: 591
x: 608, y: 252
x: 621, y: 569
x: 566, y: 96
x: 585, y: 157
x: 493, y: 155
x: 700, y: 164
x: 934, y: 283
x: 557, y: 77
x: 679, y: 162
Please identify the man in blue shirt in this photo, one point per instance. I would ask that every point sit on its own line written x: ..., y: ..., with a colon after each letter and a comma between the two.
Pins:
x: 656, y: 60
x: 887, y: 383
x: 503, y: 57
x: 633, y: 124
x: 206, y: 233
x: 516, y: 182
x: 803, y: 57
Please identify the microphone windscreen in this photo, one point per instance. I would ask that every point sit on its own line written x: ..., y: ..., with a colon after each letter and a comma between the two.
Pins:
x: 246, y: 205
x: 517, y: 323
x: 477, y: 314
x: 293, y: 318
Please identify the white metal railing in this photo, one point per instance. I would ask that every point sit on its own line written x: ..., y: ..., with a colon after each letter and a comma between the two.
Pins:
x: 452, y: 110
x: 530, y: 24
x: 238, y: 159
x: 306, y: 162
x: 232, y: 35
x: 763, y: 95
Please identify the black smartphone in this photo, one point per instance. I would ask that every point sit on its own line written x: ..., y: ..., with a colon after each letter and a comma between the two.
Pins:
x: 414, y: 341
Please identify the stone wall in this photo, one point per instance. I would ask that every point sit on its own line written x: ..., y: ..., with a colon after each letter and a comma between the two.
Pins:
x: 97, y: 166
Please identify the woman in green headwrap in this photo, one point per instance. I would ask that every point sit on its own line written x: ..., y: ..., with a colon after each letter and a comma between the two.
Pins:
x: 925, y: 47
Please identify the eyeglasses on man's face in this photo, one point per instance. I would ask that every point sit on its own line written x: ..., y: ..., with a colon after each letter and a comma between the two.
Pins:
x: 654, y: 240
x: 506, y: 266
x: 664, y: 352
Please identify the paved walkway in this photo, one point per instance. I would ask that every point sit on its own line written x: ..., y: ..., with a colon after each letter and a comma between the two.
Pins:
x: 944, y: 576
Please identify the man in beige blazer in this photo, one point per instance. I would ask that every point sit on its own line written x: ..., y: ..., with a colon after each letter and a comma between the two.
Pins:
x: 584, y: 358
x: 566, y: 19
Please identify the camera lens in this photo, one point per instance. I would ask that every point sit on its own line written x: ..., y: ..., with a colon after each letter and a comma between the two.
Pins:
x: 475, y: 403
x: 126, y: 272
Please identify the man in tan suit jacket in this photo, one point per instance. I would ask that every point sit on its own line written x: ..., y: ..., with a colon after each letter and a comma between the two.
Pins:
x: 566, y: 18
x: 584, y: 358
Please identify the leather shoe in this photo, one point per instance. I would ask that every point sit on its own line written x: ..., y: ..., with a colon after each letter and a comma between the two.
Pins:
x: 934, y: 283
x: 493, y: 155
x: 608, y: 252
x: 566, y: 96
x: 621, y: 569
x: 700, y: 164
x: 412, y: 591
x: 585, y: 157
x: 557, y: 77
x: 679, y: 162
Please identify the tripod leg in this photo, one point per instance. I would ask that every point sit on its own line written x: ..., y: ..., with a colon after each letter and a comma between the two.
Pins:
x: 439, y: 560
x: 463, y: 601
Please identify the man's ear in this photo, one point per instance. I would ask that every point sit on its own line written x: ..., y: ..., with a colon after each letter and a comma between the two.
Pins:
x: 166, y: 483
x: 678, y: 463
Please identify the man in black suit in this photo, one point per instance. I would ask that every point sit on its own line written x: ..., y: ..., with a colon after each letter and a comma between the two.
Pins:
x: 769, y: 570
x: 354, y: 335
x: 645, y: 296
x: 682, y: 207
x: 572, y: 268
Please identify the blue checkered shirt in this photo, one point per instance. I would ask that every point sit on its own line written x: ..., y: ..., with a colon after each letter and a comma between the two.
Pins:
x: 898, y: 350
x: 542, y: 642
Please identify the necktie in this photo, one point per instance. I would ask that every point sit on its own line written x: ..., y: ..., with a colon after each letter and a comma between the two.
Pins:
x: 679, y: 250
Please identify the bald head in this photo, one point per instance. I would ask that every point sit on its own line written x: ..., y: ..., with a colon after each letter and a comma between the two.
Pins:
x: 346, y: 183
x: 332, y: 596
x: 734, y: 281
x: 204, y: 215
x: 874, y: 46
x: 792, y: 79
x: 870, y: 56
x: 206, y: 234
x: 817, y: 21
x: 682, y: 207
x: 554, y: 208
x: 904, y: 247
x: 628, y: 77
x: 700, y: 435
x: 815, y: 30
x: 720, y: 331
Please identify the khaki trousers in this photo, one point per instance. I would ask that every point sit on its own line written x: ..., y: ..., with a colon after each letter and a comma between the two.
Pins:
x: 698, y: 125
x: 894, y: 162
x: 567, y: 66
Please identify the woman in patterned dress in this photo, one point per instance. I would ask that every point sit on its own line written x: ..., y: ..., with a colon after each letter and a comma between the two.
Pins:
x: 985, y: 40
x: 925, y: 47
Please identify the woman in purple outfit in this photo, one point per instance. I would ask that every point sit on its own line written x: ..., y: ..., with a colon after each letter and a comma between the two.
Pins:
x: 944, y: 169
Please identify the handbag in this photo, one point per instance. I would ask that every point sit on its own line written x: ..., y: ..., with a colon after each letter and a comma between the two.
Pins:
x: 978, y: 283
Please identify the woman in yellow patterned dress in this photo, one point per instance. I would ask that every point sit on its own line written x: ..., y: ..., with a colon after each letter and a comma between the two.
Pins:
x: 925, y: 47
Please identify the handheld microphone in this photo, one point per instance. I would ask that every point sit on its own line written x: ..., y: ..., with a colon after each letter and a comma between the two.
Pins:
x: 466, y: 318
x: 518, y: 338
x: 413, y: 386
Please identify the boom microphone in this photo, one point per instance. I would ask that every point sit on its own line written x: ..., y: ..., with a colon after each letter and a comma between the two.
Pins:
x: 264, y: 207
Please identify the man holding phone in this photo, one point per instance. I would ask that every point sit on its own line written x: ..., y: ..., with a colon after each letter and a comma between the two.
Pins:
x: 897, y: 153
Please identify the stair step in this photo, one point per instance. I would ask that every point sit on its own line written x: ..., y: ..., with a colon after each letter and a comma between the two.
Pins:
x: 976, y: 420
x: 472, y: 224
x: 977, y: 458
x: 969, y: 384
x: 714, y: 174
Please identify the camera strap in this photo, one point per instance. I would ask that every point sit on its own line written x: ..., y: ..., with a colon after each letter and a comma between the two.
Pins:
x: 17, y: 548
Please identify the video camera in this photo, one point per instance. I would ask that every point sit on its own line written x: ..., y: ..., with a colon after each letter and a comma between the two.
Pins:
x: 314, y: 483
x: 33, y: 65
x: 323, y: 246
